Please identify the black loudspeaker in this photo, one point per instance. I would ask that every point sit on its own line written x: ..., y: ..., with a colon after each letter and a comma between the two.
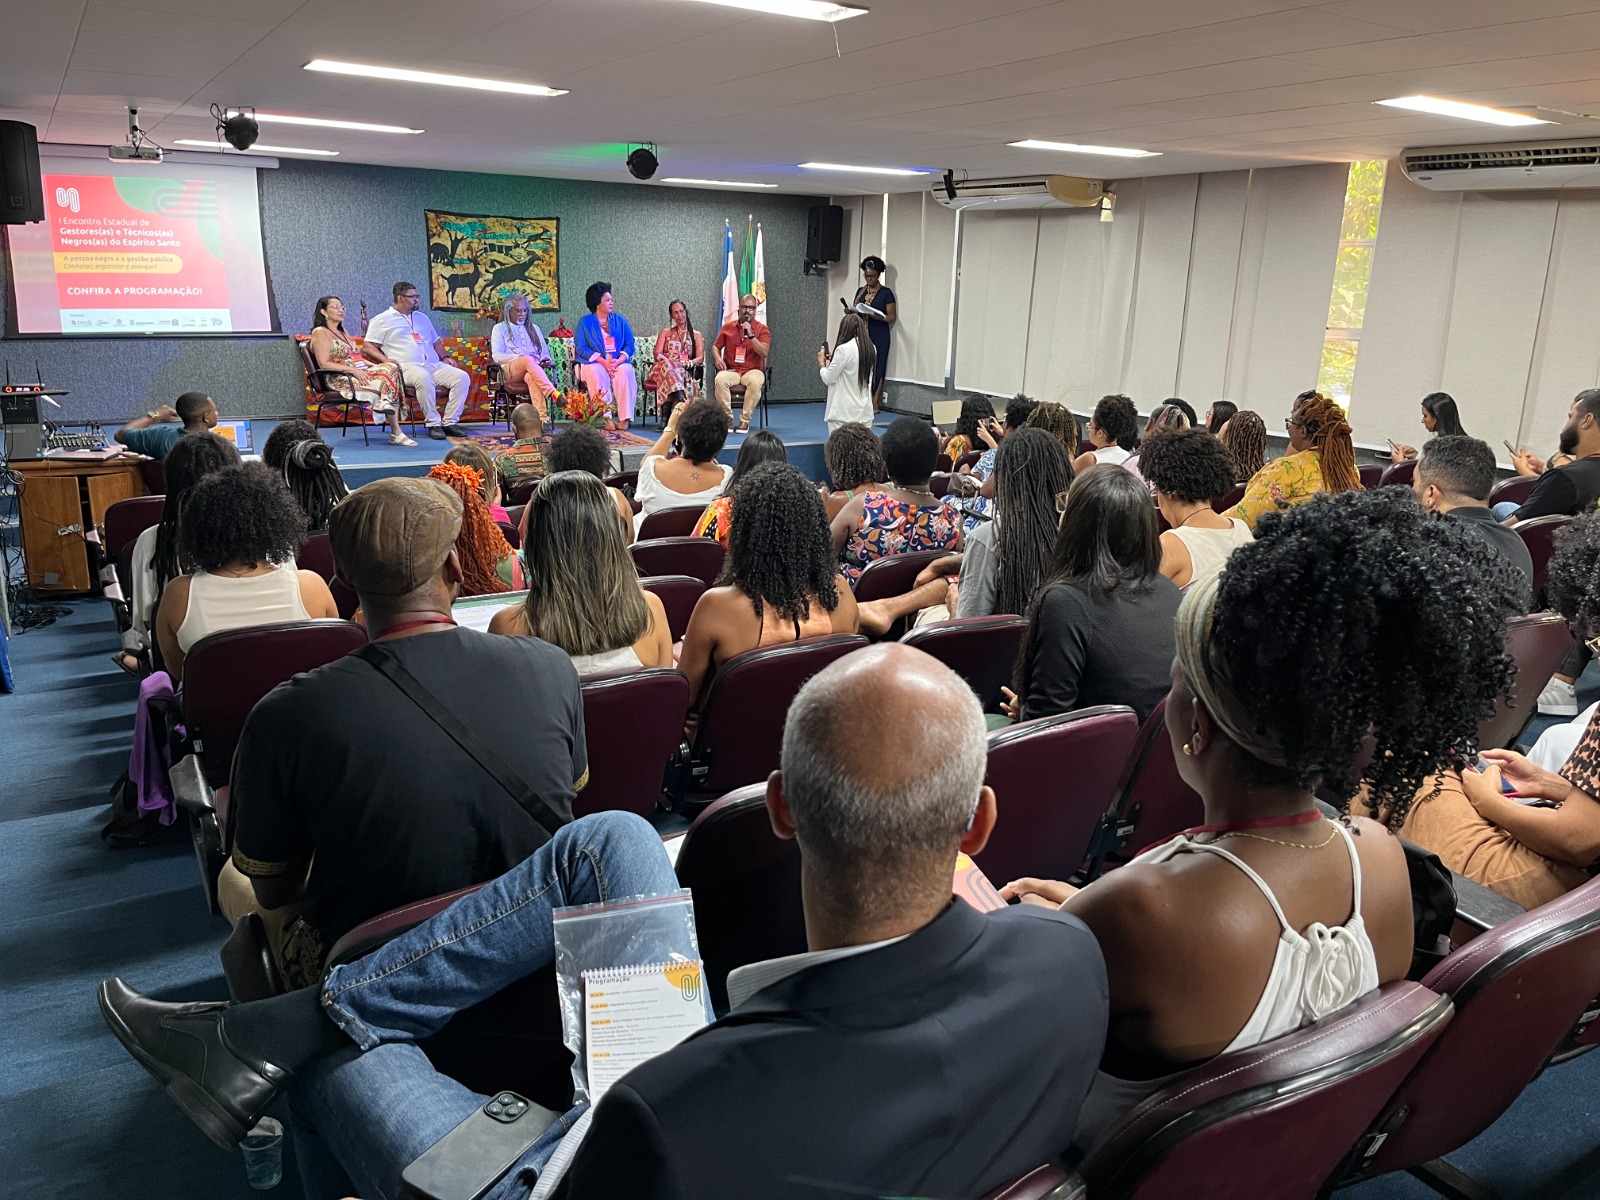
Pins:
x: 824, y: 232
x: 21, y: 189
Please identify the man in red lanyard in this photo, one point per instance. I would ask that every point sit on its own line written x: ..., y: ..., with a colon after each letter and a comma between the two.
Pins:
x: 740, y: 356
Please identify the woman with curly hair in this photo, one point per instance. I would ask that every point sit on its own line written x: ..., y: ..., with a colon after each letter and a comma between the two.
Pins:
x: 780, y: 582
x: 1269, y: 916
x: 855, y: 461
x: 1189, y: 469
x: 1244, y: 436
x: 1321, y: 458
x: 1113, y: 433
x: 1165, y: 418
x: 314, y: 481
x: 583, y: 589
x: 239, y: 532
x: 761, y: 446
x: 693, y: 477
x: 584, y: 448
x: 488, y: 563
x: 975, y: 410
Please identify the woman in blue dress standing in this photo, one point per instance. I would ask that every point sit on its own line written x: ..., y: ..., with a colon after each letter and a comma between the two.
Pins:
x: 874, y: 294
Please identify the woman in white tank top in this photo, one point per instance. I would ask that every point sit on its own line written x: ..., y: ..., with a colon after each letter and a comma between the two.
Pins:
x: 1270, y: 916
x: 239, y: 532
x: 1189, y: 468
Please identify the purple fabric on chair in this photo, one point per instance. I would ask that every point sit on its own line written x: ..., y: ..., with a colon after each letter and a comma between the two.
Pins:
x: 678, y: 595
x: 1399, y: 474
x: 1539, y: 535
x: 1275, y: 1120
x: 1537, y: 644
x: 127, y: 519
x: 746, y: 884
x: 678, y: 521
x: 1153, y: 803
x: 147, y: 764
x: 633, y: 723
x: 1052, y: 781
x: 696, y: 556
x: 982, y: 650
x: 1224, y: 503
x: 1514, y: 490
x: 1519, y: 992
x: 1371, y: 475
x: 316, y: 554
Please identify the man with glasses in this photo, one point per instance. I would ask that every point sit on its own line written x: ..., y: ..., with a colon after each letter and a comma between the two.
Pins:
x: 405, y: 336
x: 740, y: 356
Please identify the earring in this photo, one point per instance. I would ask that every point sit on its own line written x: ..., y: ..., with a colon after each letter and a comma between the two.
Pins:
x: 1187, y: 748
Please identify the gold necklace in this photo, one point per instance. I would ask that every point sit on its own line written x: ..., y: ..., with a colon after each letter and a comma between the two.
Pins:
x: 1333, y: 832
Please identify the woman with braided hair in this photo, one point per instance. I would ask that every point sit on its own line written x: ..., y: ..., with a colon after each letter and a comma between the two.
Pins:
x: 488, y: 563
x: 1245, y: 439
x: 1321, y: 458
x: 1325, y: 629
x: 314, y: 481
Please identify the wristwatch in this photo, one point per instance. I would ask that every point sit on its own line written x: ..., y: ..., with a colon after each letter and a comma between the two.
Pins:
x: 152, y: 414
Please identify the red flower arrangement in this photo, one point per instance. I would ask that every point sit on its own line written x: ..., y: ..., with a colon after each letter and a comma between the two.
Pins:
x: 580, y: 406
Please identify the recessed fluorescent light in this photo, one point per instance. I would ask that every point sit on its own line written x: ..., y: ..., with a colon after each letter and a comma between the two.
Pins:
x: 258, y: 148
x: 1076, y: 148
x: 325, y: 123
x: 818, y: 166
x: 405, y: 75
x: 811, y: 10
x: 719, y: 183
x: 1441, y: 107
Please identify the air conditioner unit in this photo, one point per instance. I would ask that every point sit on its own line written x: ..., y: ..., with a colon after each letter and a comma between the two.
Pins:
x: 1036, y: 191
x: 1511, y: 166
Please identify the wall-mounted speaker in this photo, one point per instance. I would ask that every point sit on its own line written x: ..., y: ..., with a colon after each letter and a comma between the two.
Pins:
x: 824, y: 232
x: 21, y: 190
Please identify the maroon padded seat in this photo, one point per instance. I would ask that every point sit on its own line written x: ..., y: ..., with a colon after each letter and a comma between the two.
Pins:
x: 1537, y: 644
x: 746, y: 884
x: 513, y: 538
x: 1274, y: 1120
x: 893, y: 575
x: 969, y: 460
x: 740, y: 731
x: 678, y: 595
x: 1399, y: 474
x: 1152, y: 803
x: 1224, y: 503
x: 942, y: 465
x: 316, y: 554
x: 1519, y: 990
x: 633, y: 723
x: 678, y: 521
x: 514, y: 514
x: 1041, y: 1183
x: 127, y: 519
x: 1052, y: 780
x: 696, y: 556
x: 345, y: 598
x: 1514, y: 490
x: 1371, y: 476
x: 1538, y: 534
x: 982, y: 650
x: 522, y: 494
x: 623, y: 481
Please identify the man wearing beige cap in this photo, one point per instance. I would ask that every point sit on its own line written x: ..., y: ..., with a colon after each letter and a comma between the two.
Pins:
x: 433, y: 758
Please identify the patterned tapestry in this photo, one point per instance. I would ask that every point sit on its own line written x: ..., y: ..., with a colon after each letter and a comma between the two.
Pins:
x: 473, y: 262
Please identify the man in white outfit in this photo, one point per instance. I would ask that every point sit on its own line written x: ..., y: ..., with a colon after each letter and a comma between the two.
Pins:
x: 407, y: 337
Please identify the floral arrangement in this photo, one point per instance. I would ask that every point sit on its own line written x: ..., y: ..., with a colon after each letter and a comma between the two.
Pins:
x: 580, y: 406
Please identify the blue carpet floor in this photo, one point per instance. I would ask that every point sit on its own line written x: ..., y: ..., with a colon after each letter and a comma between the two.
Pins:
x: 79, y: 1119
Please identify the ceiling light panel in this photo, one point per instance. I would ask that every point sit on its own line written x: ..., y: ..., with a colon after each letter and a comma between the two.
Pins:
x: 823, y: 166
x: 1077, y: 148
x: 732, y: 183
x: 1441, y: 107
x: 406, y: 75
x: 810, y: 10
x: 326, y: 123
x: 258, y: 148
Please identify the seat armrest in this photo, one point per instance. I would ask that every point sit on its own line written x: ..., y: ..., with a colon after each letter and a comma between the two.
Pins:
x: 1481, y: 908
x: 189, y: 786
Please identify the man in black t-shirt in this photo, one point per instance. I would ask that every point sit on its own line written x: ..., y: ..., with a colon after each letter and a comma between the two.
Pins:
x: 1453, y: 478
x: 347, y: 796
x: 1574, y: 488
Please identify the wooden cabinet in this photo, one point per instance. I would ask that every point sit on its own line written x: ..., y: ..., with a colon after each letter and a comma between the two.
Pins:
x: 61, y: 501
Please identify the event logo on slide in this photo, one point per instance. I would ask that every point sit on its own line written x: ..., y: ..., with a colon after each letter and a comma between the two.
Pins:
x: 138, y: 255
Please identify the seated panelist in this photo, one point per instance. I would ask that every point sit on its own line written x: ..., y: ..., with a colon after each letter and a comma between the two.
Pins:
x: 603, y: 349
x: 519, y: 345
x: 740, y: 357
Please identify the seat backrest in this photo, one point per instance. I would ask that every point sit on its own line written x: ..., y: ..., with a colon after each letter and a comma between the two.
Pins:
x: 1052, y: 780
x: 1224, y: 503
x: 225, y: 675
x: 127, y: 519
x: 969, y: 459
x: 522, y: 494
x: 893, y: 574
x: 1399, y: 474
x: 982, y: 650
x: 633, y: 722
x: 1041, y: 1183
x: 1519, y: 991
x: 740, y: 732
x: 514, y: 514
x: 1152, y: 803
x: 1274, y: 1120
x: 513, y: 538
x: 942, y: 465
x: 678, y: 595
x: 678, y: 521
x: 308, y: 362
x: 1538, y: 534
x: 746, y: 885
x: 696, y: 556
x: 316, y: 554
x: 1537, y: 644
x: 1371, y: 476
x: 345, y: 598
x: 1514, y: 490
x: 623, y: 481
x: 375, y: 931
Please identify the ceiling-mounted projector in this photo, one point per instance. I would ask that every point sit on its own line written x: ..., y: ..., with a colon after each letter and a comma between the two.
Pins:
x: 139, y: 148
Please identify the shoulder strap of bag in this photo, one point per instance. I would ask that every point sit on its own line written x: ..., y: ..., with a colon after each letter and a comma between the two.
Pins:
x: 477, y: 748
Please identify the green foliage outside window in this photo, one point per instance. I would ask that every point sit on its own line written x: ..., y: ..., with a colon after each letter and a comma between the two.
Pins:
x: 1352, y: 272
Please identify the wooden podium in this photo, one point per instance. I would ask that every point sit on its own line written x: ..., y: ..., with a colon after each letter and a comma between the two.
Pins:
x: 61, y: 499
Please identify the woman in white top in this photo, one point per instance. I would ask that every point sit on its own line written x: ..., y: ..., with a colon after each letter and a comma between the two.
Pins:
x: 518, y: 345
x: 1113, y: 431
x: 240, y: 530
x: 847, y: 372
x: 694, y: 477
x: 1189, y: 468
x: 583, y: 589
x: 1269, y: 916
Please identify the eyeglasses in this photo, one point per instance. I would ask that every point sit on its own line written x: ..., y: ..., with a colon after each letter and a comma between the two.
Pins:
x: 1593, y: 644
x: 1061, y: 500
x: 1290, y: 423
x: 408, y: 295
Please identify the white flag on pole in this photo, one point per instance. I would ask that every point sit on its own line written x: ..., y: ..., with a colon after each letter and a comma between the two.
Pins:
x: 730, y: 278
x: 761, y: 281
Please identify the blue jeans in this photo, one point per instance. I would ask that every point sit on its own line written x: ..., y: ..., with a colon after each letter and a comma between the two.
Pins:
x: 377, y: 1106
x: 1504, y: 509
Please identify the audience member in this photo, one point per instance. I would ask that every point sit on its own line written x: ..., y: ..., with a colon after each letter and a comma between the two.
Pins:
x: 1113, y: 432
x: 470, y: 454
x: 847, y: 373
x: 761, y: 446
x: 1454, y: 476
x: 694, y: 477
x: 1321, y: 458
x: 902, y: 517
x: 1570, y: 489
x: 1219, y: 414
x: 603, y: 349
x: 402, y: 335
x: 518, y: 345
x: 1439, y: 417
x: 157, y: 431
x: 487, y: 561
x: 976, y: 412
x: 314, y: 481
x: 680, y: 359
x: 781, y: 580
x: 239, y: 531
x: 1244, y: 436
x: 1188, y: 468
x: 977, y: 507
x: 1278, y: 681
x: 525, y: 459
x: 855, y: 461
x: 584, y: 448
x: 739, y: 354
x: 349, y: 797
x: 1059, y: 422
x: 1100, y: 629
x: 583, y: 589
x: 835, y: 1069
x: 353, y: 375
x: 282, y: 439
x: 1165, y: 417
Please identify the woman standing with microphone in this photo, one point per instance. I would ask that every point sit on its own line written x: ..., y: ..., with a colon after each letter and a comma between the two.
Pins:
x: 849, y: 373
x: 873, y: 294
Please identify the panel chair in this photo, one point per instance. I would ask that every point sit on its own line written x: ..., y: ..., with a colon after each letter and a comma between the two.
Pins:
x: 893, y: 575
x: 678, y: 595
x: 678, y: 521
x: 633, y: 723
x: 503, y: 394
x: 1513, y: 490
x: 1399, y: 474
x: 1053, y: 780
x: 1537, y: 644
x: 325, y: 393
x: 1538, y: 535
x: 982, y: 650
x: 696, y: 556
x: 1152, y: 803
x: 736, y: 395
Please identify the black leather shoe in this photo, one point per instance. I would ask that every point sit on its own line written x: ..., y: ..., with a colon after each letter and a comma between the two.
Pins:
x: 436, y: 433
x: 186, y: 1048
x: 456, y: 431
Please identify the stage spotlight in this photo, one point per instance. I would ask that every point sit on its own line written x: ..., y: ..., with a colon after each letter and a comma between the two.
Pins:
x: 237, y: 126
x: 642, y: 161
